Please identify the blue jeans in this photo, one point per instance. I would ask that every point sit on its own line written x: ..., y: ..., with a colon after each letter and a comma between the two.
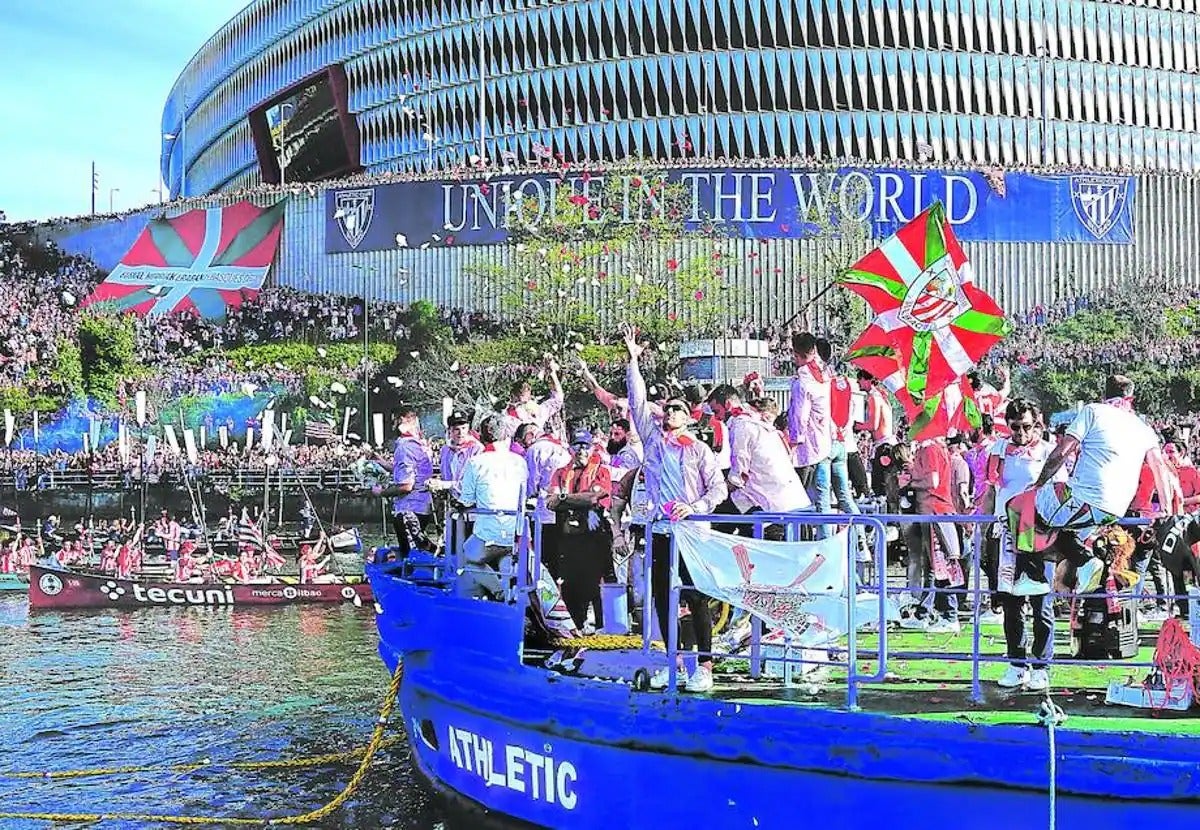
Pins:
x: 816, y: 479
x: 843, y: 496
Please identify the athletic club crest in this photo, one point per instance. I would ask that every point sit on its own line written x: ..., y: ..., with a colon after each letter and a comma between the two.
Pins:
x: 353, y: 210
x: 935, y: 298
x: 1098, y: 201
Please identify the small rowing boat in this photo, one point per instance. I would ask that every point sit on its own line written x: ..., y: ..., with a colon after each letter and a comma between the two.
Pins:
x: 73, y: 589
x: 13, y: 582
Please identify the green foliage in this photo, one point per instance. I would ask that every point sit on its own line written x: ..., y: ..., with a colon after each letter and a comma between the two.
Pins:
x: 67, y: 370
x: 107, y: 351
x: 604, y: 251
x: 424, y: 324
x: 297, y: 356
x: 1092, y: 328
x: 1159, y: 390
x: 1183, y: 322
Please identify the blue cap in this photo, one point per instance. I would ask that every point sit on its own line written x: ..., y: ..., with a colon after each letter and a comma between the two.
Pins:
x: 581, y: 437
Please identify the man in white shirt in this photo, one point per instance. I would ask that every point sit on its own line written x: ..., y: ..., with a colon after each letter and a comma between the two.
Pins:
x: 1013, y: 464
x: 494, y: 479
x: 1112, y: 443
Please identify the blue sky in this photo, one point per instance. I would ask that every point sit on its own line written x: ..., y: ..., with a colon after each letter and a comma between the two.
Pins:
x: 83, y: 81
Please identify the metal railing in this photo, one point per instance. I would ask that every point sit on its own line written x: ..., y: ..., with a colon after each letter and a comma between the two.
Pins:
x: 52, y: 479
x: 526, y: 556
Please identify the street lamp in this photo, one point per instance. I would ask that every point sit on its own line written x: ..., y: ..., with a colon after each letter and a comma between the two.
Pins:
x: 111, y: 191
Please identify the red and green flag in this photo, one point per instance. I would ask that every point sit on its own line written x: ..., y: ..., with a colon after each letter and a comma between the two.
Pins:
x: 205, y: 261
x: 932, y: 323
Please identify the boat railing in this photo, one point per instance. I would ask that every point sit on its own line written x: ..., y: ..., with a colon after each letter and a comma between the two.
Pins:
x: 519, y: 572
x: 851, y: 653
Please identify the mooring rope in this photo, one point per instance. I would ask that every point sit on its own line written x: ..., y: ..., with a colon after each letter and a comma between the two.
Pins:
x: 1050, y: 715
x: 368, y: 754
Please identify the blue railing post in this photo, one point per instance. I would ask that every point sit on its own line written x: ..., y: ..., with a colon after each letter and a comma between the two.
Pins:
x: 756, y: 663
x: 672, y: 632
x: 648, y: 590
x: 977, y: 568
x: 852, y: 620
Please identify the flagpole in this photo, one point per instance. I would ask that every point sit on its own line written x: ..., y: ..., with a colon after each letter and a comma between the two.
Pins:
x: 809, y: 304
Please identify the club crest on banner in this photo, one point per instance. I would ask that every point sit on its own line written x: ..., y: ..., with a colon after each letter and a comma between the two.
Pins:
x: 354, y: 210
x: 935, y: 298
x: 1098, y: 201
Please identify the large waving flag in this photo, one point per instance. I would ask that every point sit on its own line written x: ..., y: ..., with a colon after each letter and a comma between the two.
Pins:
x: 932, y: 322
x: 203, y: 260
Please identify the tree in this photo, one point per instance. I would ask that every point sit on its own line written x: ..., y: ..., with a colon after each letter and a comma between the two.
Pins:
x: 611, y: 247
x: 107, y: 351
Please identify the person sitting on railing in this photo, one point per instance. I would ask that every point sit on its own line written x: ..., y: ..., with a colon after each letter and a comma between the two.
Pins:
x: 1013, y: 464
x: 1112, y: 443
x: 682, y: 478
x: 580, y: 493
x: 493, y: 480
x: 761, y: 476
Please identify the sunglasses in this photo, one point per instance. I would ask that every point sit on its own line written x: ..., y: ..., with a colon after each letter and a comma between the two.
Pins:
x: 676, y: 407
x: 578, y: 447
x: 1021, y: 427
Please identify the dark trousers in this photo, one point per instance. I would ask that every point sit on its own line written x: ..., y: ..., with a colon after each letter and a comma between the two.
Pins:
x: 584, y: 560
x: 879, y: 470
x: 1043, y: 623
x: 403, y: 540
x: 858, y: 474
x: 696, y: 602
x: 552, y: 548
x: 991, y: 566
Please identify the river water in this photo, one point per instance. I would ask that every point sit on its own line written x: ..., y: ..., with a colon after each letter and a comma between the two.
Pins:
x: 160, y: 686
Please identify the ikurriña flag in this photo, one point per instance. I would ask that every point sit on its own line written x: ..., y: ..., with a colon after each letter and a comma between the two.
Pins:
x: 205, y: 260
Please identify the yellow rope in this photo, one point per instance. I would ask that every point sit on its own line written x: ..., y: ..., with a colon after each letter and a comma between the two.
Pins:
x: 368, y: 753
x: 602, y: 642
x: 291, y: 763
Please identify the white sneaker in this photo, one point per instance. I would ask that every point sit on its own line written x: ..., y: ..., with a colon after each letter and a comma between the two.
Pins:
x: 942, y: 625
x: 1027, y: 587
x: 1039, y: 680
x: 700, y: 682
x: 1154, y: 615
x: 991, y: 618
x: 1087, y: 578
x: 914, y: 623
x: 1014, y: 678
x: 658, y: 681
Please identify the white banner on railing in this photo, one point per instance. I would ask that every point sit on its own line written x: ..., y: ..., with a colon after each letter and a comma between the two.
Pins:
x: 797, y: 586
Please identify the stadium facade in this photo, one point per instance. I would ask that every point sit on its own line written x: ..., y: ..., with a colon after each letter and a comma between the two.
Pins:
x: 1096, y: 101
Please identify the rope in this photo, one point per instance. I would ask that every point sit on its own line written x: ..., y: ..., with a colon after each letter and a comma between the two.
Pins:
x: 293, y: 763
x: 1050, y: 715
x: 311, y: 817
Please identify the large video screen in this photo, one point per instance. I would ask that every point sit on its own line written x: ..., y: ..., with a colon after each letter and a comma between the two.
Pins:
x: 307, y: 134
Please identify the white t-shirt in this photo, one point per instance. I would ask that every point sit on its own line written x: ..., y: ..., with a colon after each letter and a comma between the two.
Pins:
x: 1020, y: 467
x: 1113, y: 443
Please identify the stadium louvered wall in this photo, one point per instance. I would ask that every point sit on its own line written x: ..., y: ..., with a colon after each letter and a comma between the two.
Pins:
x: 1096, y: 83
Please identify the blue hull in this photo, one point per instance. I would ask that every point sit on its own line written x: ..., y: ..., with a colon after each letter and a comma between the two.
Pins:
x: 573, y: 752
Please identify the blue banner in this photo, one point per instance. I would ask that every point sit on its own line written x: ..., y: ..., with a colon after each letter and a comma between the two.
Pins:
x: 762, y: 203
